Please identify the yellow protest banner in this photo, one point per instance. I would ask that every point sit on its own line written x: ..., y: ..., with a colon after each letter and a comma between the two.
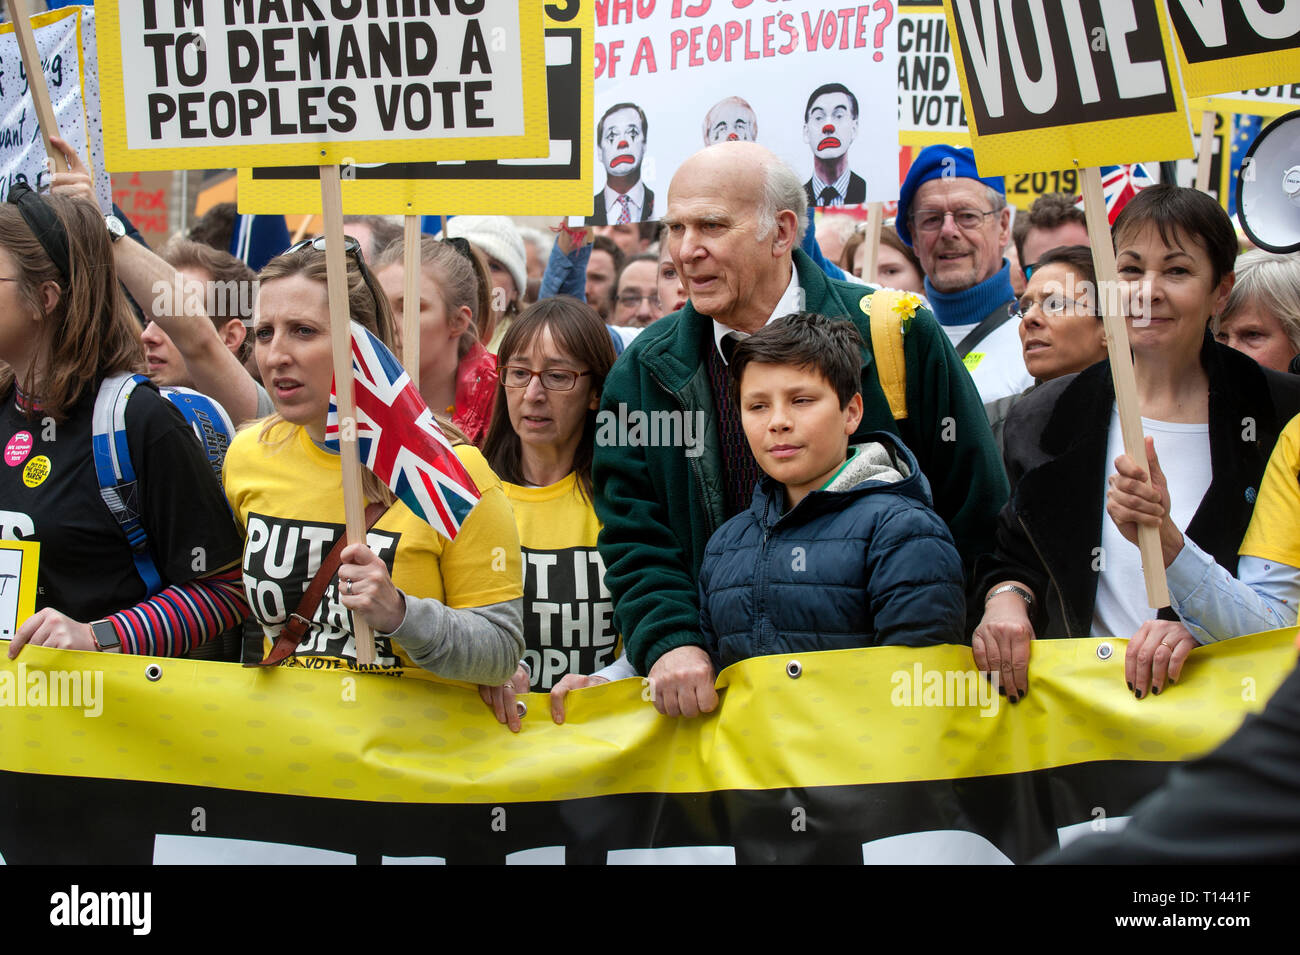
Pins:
x: 1229, y: 45
x: 1059, y: 86
x: 880, y: 715
x: 557, y: 184
x: 211, y: 83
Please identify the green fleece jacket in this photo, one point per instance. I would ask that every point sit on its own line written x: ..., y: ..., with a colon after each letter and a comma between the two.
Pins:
x: 660, y: 504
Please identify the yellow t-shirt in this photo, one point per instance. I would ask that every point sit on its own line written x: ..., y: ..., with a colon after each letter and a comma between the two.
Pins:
x: 568, y: 613
x: 288, y: 500
x: 1274, y: 531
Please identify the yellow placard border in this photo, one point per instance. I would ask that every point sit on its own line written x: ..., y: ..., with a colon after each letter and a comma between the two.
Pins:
x: 918, y: 137
x: 27, y: 576
x: 120, y: 157
x: 853, y: 717
x: 1152, y: 138
x: 446, y: 196
x: 1227, y: 103
x: 1236, y: 73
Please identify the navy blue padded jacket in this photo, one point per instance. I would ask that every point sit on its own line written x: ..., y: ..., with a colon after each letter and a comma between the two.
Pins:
x: 864, y: 562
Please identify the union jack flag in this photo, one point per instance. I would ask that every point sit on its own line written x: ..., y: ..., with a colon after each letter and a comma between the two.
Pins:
x: 1119, y: 184
x: 399, y: 440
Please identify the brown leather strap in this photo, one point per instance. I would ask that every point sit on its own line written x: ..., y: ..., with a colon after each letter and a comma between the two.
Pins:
x: 295, y: 628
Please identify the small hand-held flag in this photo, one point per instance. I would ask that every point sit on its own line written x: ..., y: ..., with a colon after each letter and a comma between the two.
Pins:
x: 1119, y: 184
x: 400, y: 441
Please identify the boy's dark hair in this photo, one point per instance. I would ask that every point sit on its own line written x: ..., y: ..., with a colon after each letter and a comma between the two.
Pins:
x: 1177, y: 212
x: 832, y: 348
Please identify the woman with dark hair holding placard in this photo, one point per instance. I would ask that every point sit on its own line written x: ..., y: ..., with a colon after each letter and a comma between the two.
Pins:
x: 155, y: 572
x: 1059, y: 568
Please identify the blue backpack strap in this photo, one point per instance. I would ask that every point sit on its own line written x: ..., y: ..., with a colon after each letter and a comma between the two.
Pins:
x: 117, y: 482
x: 209, y: 421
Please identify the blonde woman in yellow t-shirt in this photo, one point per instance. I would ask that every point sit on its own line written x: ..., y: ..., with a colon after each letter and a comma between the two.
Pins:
x: 552, y: 364
x: 450, y: 606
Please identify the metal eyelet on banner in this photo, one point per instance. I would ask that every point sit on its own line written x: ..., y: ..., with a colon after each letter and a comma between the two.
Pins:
x: 521, y: 708
x: 794, y: 669
x: 153, y: 673
x: 1104, y: 650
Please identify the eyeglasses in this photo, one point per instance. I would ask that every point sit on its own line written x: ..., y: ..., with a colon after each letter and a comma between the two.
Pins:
x: 352, y: 247
x: 1054, y: 306
x: 553, y: 379
x: 632, y: 300
x: 968, y: 220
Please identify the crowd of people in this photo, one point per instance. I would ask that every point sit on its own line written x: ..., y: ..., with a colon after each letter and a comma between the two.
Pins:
x: 931, y: 457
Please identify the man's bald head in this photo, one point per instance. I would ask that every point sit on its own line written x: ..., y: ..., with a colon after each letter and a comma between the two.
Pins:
x: 757, y: 175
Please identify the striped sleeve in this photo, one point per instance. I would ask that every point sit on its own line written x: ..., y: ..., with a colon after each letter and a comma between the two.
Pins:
x: 184, y: 616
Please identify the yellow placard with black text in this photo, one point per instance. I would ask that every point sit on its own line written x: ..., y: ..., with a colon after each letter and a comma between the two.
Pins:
x: 1062, y: 86
x: 206, y: 84
x: 1230, y: 45
x: 558, y: 184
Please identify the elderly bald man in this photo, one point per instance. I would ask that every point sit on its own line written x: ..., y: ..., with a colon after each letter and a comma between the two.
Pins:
x: 734, y: 218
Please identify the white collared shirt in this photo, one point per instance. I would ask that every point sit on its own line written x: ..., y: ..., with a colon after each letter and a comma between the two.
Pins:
x: 790, y: 301
x: 635, y: 203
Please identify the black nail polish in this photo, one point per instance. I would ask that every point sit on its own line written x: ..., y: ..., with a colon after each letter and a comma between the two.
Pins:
x: 1130, y: 687
x: 1155, y: 690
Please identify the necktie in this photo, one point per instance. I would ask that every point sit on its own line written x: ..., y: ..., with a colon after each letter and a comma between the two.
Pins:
x: 829, y: 195
x: 728, y: 345
x: 624, y: 214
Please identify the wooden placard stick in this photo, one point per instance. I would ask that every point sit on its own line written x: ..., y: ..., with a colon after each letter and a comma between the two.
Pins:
x: 1205, y: 150
x: 875, y: 218
x: 301, y: 231
x: 411, y: 298
x: 1121, y: 369
x: 36, y: 81
x: 336, y: 273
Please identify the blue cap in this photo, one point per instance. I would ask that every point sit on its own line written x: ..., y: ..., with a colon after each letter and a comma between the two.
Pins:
x: 932, y: 163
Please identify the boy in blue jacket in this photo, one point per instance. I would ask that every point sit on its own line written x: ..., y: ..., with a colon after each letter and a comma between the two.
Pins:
x: 840, y: 547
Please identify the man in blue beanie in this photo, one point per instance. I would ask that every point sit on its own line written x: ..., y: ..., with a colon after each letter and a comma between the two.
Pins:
x: 958, y: 223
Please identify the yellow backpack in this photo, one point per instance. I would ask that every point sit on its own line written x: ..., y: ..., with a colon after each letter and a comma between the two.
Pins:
x: 889, y: 311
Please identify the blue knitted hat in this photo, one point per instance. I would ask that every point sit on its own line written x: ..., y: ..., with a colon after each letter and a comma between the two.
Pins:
x: 933, y: 162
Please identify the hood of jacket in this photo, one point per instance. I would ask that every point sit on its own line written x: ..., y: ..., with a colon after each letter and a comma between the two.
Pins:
x: 881, y: 463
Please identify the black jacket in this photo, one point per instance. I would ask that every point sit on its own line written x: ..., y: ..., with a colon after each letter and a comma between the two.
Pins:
x: 863, y: 562
x: 1055, y: 454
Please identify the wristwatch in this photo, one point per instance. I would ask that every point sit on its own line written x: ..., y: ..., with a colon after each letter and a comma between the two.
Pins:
x: 105, y: 636
x: 116, y: 228
x: 1020, y: 592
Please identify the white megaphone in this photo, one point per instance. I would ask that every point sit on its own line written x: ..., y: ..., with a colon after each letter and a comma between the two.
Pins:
x: 1268, y: 187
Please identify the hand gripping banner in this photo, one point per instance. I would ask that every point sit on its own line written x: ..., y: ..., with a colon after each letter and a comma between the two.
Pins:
x: 879, y: 755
